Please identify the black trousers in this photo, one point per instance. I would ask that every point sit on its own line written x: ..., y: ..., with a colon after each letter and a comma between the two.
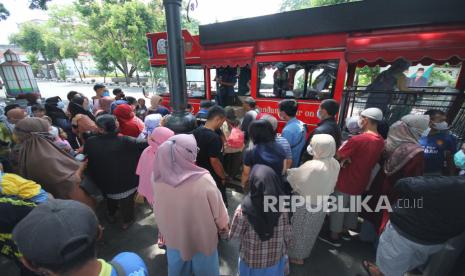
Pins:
x: 125, y: 205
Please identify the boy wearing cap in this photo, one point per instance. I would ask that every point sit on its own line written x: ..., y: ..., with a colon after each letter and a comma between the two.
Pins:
x: 358, y: 156
x: 59, y: 238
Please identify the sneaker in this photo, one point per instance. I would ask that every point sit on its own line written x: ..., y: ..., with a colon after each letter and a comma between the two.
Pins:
x: 326, y: 237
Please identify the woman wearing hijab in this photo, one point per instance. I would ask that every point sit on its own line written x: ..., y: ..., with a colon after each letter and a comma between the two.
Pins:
x: 265, y: 150
x: 403, y: 157
x: 156, y: 107
x: 82, y: 120
x: 146, y: 162
x: 129, y: 124
x: 264, y: 236
x: 112, y: 161
x: 190, y: 230
x: 151, y: 122
x: 313, y: 179
x: 43, y: 162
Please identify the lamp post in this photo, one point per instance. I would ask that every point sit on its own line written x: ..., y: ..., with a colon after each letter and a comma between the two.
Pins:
x: 180, y: 121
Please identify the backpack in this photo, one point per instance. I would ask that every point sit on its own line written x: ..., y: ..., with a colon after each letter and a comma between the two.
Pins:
x: 236, y: 138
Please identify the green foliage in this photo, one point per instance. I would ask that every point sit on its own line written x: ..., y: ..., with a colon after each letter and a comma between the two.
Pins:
x: 366, y: 75
x: 62, y: 71
x: 34, y: 62
x: 4, y: 13
x: 33, y: 4
x: 440, y: 76
x: 117, y: 31
x: 291, y: 5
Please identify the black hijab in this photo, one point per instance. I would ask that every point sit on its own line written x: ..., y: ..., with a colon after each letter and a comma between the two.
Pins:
x: 75, y: 107
x: 263, y: 181
x: 52, y: 110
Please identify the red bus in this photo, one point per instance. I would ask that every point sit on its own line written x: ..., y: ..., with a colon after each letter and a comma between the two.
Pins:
x: 312, y: 54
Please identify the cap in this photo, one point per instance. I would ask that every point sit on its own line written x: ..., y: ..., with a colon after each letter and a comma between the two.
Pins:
x: 56, y: 231
x: 249, y: 100
x: 98, y: 86
x: 373, y: 113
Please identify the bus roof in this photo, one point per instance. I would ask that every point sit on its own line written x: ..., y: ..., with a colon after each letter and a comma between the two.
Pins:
x: 360, y: 16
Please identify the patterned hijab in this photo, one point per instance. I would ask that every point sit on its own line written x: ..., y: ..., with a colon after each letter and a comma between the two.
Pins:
x: 402, y: 143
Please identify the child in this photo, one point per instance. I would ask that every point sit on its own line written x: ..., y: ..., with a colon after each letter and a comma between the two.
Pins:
x: 264, y: 236
x: 38, y: 110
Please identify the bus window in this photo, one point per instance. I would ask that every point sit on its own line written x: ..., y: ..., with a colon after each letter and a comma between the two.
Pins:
x: 300, y: 80
x: 195, y: 81
x: 160, y: 79
x: 242, y: 84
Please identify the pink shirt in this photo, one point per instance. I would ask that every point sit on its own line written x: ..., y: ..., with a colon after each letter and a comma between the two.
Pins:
x: 190, y: 215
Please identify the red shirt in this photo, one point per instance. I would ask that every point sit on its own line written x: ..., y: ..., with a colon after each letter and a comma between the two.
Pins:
x: 364, y: 151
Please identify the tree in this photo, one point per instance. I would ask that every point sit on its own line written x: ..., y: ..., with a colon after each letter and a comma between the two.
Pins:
x: 34, y: 62
x: 118, y: 28
x: 291, y: 5
x: 33, y: 4
x: 64, y: 19
x: 103, y: 61
x: 4, y: 13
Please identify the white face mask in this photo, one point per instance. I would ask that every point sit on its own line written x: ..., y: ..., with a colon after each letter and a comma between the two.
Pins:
x: 359, y: 123
x: 54, y: 131
x: 441, y: 126
x: 318, y: 114
x: 310, y: 149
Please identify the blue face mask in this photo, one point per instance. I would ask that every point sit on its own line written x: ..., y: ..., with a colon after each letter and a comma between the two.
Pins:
x: 459, y: 160
x: 61, y: 105
x: 106, y: 93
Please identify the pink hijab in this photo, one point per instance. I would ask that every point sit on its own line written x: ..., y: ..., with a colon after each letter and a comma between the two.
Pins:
x: 145, y: 166
x: 175, y: 161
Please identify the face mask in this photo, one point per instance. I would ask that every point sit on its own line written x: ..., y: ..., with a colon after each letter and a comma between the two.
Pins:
x: 61, y: 105
x: 441, y: 126
x: 459, y: 160
x: 39, y: 101
x: 318, y: 114
x: 360, y: 123
x: 53, y: 131
x: 426, y: 132
x: 106, y: 93
x: 310, y: 149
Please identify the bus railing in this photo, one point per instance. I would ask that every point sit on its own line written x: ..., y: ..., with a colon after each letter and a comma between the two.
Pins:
x: 396, y: 104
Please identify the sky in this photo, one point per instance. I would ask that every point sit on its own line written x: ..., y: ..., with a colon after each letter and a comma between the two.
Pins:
x: 208, y: 11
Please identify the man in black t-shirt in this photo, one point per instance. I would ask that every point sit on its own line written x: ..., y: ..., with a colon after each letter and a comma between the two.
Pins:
x: 210, y: 145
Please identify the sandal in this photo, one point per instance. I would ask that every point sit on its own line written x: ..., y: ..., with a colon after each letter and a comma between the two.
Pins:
x: 367, y: 265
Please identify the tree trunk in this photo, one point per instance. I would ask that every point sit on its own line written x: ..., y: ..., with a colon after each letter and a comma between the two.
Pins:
x: 47, y: 69
x: 126, y: 73
x: 137, y: 77
x: 82, y: 68
x: 116, y: 73
x: 77, y: 69
x: 105, y: 77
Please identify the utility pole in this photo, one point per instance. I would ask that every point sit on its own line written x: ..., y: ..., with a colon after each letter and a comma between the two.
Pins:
x: 180, y: 121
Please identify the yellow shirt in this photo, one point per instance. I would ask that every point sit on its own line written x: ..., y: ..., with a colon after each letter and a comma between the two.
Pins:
x: 106, y: 268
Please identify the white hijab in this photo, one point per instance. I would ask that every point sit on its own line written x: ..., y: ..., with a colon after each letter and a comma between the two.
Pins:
x: 316, y: 177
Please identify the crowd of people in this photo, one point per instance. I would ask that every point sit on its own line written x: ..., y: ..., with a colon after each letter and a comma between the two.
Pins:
x: 56, y: 157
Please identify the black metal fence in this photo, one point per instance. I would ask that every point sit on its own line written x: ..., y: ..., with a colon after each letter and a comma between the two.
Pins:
x: 396, y: 104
